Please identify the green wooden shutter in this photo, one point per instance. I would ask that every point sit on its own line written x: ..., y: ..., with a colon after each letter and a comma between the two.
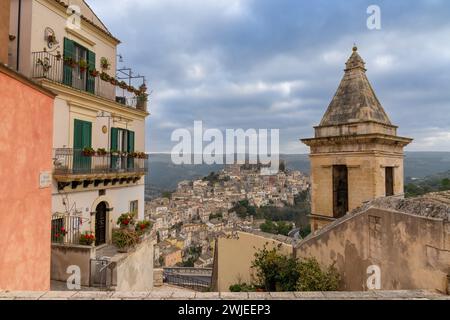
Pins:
x: 69, y: 50
x: 90, y: 79
x: 114, y: 138
x: 78, y: 135
x: 130, y: 141
x: 87, y: 134
x: 114, y: 146
x: 130, y: 148
x: 82, y: 138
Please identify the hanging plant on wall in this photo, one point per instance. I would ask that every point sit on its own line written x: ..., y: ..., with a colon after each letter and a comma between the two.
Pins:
x: 88, y: 152
x: 123, y: 85
x: 105, y: 63
x: 94, y: 73
x: 104, y: 76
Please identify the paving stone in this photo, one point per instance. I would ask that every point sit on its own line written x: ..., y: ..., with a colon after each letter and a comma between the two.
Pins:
x: 402, y: 294
x: 309, y: 295
x: 361, y: 295
x: 180, y: 295
x: 92, y: 295
x: 23, y: 295
x: 282, y: 295
x: 127, y: 295
x: 58, y: 295
x: 207, y: 295
x: 160, y: 295
x: 259, y: 295
x: 234, y: 295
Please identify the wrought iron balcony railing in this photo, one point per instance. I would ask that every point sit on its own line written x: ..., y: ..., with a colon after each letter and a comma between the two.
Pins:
x: 48, y: 66
x: 76, y: 162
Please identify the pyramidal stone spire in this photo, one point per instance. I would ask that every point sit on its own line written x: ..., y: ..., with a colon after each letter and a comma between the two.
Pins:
x: 355, y: 100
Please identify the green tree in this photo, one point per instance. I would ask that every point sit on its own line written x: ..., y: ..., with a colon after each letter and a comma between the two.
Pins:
x: 278, y: 272
x: 313, y: 278
x: 275, y: 271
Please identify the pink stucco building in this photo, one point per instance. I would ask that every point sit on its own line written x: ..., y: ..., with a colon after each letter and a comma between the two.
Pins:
x: 26, y: 132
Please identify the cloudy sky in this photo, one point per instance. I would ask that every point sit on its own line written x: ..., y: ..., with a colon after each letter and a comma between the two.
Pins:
x: 277, y: 63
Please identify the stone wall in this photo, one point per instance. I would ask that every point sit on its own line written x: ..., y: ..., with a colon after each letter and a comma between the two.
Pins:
x: 158, y: 277
x: 64, y: 256
x: 134, y: 270
x: 412, y: 250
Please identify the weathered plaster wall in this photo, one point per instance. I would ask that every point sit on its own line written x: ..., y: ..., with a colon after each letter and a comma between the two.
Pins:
x: 412, y: 251
x: 135, y: 271
x: 65, y: 256
x: 234, y: 257
x: 25, y: 209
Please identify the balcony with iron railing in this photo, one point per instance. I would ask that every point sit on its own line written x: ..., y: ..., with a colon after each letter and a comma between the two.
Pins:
x: 52, y: 67
x: 79, y: 167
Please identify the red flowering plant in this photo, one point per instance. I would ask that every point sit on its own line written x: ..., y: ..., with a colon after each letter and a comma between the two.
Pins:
x: 143, y: 226
x: 94, y: 72
x: 87, y: 238
x: 59, y: 233
x: 126, y: 220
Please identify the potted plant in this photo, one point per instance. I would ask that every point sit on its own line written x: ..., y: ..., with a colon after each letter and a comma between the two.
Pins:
x: 126, y: 220
x: 59, y: 234
x: 113, y: 81
x: 88, y: 152
x: 105, y: 63
x: 141, y: 102
x: 101, y: 152
x: 114, y: 153
x: 143, y: 88
x: 51, y: 39
x: 104, y: 76
x: 123, y: 85
x: 124, y: 239
x: 143, y: 226
x: 94, y: 73
x: 69, y: 61
x: 83, y: 64
x: 87, y: 238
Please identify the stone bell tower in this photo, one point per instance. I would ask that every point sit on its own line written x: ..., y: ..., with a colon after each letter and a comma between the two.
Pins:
x: 356, y: 155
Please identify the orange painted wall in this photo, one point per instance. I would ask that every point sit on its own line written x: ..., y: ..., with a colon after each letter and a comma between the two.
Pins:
x: 26, y: 120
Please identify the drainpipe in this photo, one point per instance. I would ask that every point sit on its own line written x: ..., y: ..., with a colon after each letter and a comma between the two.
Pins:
x: 18, y: 34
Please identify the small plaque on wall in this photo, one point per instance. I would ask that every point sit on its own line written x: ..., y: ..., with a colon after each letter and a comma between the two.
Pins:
x: 45, y: 180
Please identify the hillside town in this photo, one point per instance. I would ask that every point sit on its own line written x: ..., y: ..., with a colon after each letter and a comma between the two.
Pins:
x: 190, y: 219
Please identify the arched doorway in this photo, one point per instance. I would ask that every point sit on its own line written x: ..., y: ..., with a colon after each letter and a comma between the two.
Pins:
x: 100, y: 223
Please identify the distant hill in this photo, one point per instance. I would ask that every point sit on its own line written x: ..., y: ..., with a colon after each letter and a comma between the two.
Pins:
x: 163, y: 175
